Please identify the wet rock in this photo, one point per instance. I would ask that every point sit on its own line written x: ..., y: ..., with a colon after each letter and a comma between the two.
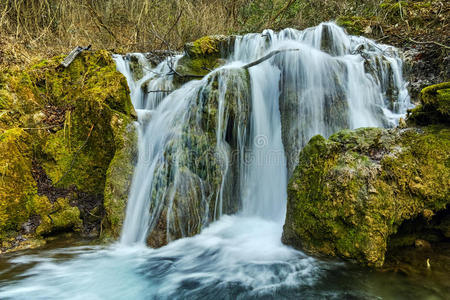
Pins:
x: 186, y: 197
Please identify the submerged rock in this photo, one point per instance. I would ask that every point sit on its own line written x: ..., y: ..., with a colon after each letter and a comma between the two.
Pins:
x: 63, y: 131
x: 350, y: 194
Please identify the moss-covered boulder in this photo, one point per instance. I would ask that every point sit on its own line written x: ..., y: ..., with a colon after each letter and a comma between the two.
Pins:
x: 434, y: 105
x: 198, y: 179
x: 63, y: 133
x: 351, y: 193
x: 204, y: 55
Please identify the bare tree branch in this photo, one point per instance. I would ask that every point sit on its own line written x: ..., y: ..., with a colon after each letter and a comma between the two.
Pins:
x: 266, y: 57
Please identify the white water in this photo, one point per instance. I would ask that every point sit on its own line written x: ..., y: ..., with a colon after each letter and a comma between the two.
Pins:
x: 238, y: 256
x: 328, y: 83
x: 265, y: 192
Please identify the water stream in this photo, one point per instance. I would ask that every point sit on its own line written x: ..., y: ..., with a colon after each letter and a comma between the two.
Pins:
x: 232, y: 190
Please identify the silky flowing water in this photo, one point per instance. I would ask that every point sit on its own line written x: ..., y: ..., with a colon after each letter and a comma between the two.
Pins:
x: 326, y: 81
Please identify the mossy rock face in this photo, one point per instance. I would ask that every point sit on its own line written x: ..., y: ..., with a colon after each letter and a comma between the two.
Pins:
x: 350, y: 193
x: 120, y: 173
x: 204, y: 55
x: 17, y: 187
x: 434, y: 106
x: 70, y: 124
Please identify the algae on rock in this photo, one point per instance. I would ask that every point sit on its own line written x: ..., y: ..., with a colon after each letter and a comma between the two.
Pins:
x: 17, y: 187
x: 350, y: 193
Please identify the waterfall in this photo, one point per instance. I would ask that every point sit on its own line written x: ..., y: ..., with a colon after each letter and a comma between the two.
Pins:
x: 227, y: 143
x: 215, y: 156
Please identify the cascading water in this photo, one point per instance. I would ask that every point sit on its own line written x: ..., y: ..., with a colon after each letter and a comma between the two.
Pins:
x: 227, y: 144
x: 326, y: 81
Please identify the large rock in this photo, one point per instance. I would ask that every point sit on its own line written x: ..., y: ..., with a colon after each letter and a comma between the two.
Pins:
x: 350, y: 194
x: 66, y: 134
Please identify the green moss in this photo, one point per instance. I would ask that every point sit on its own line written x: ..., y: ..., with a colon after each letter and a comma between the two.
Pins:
x: 353, y: 24
x: 56, y: 217
x: 204, y: 55
x: 434, y: 105
x: 398, y: 11
x: 17, y: 186
x: 5, y: 99
x: 119, y: 174
x: 437, y: 96
x: 83, y: 104
x: 199, y: 66
x: 208, y: 45
x: 351, y: 192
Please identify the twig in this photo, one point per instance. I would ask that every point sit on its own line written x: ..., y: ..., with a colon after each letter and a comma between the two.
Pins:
x: 99, y: 20
x: 400, y: 9
x: 169, y: 63
x: 160, y: 91
x: 98, y: 217
x: 266, y: 57
x: 429, y: 42
x: 281, y: 12
x: 381, y: 38
x: 172, y: 27
x: 41, y: 128
x: 51, y: 213
x: 75, y: 157
x: 422, y: 43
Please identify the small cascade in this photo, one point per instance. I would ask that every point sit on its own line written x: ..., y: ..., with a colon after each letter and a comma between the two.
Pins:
x: 228, y: 142
x: 185, y: 174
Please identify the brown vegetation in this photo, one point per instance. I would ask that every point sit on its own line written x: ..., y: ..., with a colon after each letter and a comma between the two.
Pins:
x: 31, y: 28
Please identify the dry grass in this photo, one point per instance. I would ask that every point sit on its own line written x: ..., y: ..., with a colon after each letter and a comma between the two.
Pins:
x: 47, y: 27
x: 40, y: 28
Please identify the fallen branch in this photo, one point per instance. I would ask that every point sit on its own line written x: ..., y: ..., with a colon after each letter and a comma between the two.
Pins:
x: 160, y: 91
x: 73, y: 54
x: 264, y: 58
